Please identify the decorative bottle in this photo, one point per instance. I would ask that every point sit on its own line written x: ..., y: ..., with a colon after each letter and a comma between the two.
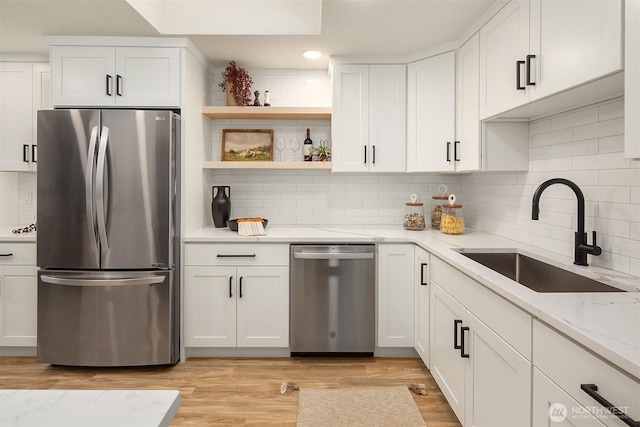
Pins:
x: 307, y: 148
x: 220, y: 205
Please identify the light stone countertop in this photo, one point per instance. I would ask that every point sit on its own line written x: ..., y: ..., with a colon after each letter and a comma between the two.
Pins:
x: 606, y: 323
x: 88, y: 408
x: 7, y: 236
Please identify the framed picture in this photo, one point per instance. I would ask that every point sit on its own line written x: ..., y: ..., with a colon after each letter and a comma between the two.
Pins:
x: 247, y: 144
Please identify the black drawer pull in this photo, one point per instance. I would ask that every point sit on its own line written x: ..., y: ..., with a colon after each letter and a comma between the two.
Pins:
x: 34, y: 155
x: 456, y: 346
x: 108, y: 85
x: 529, y: 58
x: 448, y: 147
x: 230, y: 286
x: 422, y: 266
x: 25, y: 153
x: 455, y: 151
x: 236, y: 256
x: 592, y: 390
x: 240, y: 286
x: 462, y: 352
x: 6, y: 255
x: 518, y: 75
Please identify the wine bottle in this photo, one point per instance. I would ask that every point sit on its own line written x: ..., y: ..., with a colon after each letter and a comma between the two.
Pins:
x: 307, y: 148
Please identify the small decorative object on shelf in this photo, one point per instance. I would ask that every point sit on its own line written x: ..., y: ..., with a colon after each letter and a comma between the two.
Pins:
x: 236, y: 82
x: 307, y: 148
x: 247, y: 144
x: 267, y: 103
x: 256, y: 101
x: 323, y: 152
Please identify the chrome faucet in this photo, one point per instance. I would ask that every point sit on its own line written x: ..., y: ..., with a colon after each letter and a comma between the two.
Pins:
x: 581, y: 248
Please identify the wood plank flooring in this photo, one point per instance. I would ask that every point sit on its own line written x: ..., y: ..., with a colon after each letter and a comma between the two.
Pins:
x: 238, y: 391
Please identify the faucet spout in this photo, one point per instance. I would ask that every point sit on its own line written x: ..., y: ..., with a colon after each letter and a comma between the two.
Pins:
x: 581, y: 248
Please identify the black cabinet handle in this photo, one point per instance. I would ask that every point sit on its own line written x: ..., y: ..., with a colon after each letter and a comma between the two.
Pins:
x: 236, y: 256
x: 34, y: 153
x: 374, y: 155
x: 529, y: 58
x: 240, y: 286
x: 25, y: 153
x: 518, y: 83
x: 462, y: 352
x: 365, y: 154
x: 118, y: 85
x: 109, y: 85
x: 448, y: 149
x: 455, y: 151
x: 456, y: 346
x: 422, y: 266
x: 230, y: 286
x: 6, y: 255
x: 592, y: 390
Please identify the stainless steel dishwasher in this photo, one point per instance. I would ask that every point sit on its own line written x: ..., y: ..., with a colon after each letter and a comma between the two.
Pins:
x: 332, y: 300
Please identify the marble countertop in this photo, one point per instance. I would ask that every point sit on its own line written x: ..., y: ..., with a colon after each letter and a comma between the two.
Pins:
x: 606, y: 323
x: 7, y: 236
x: 88, y: 408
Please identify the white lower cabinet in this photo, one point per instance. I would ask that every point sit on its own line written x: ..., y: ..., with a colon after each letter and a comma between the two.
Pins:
x: 421, y: 280
x: 18, y: 305
x: 552, y: 407
x: 236, y: 295
x: 396, y: 320
x: 485, y: 379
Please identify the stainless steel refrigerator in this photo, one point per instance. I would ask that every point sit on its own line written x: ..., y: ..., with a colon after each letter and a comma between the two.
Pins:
x: 108, y: 289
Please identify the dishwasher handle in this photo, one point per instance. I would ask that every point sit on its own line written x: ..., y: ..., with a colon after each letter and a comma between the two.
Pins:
x: 321, y: 255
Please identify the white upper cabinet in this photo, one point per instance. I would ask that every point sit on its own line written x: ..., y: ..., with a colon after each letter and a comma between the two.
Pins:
x: 467, y: 104
x: 504, y: 46
x: 573, y: 42
x: 24, y: 89
x: 431, y: 110
x: 97, y: 76
x: 535, y: 48
x: 632, y: 79
x: 368, y: 118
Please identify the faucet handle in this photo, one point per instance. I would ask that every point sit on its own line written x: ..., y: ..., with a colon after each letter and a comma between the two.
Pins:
x: 596, y: 249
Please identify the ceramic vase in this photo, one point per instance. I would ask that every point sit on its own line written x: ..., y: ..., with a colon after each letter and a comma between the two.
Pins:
x: 220, y: 205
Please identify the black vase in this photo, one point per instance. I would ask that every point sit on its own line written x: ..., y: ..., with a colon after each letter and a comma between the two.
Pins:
x: 220, y: 205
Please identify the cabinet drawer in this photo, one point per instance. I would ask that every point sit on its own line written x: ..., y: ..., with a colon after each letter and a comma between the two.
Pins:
x: 17, y: 253
x: 236, y: 254
x: 508, y: 321
x: 569, y: 365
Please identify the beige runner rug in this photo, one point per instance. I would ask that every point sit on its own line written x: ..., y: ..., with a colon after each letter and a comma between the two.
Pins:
x: 375, y: 406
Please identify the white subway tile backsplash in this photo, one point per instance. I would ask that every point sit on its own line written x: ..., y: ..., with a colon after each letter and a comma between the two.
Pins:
x: 611, y: 144
x: 551, y: 138
x: 612, y: 110
x: 573, y: 119
x: 599, y: 130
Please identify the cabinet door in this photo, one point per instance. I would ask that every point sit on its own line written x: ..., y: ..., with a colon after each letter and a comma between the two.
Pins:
x: 18, y: 306
x: 83, y: 76
x: 552, y: 407
x: 467, y: 103
x: 574, y: 42
x: 497, y: 377
x: 447, y: 365
x: 396, y: 319
x: 16, y: 116
x: 350, y: 118
x: 504, y: 40
x: 263, y: 306
x: 41, y: 101
x: 431, y: 114
x: 387, y: 120
x: 421, y: 279
x: 147, y: 77
x: 210, y: 306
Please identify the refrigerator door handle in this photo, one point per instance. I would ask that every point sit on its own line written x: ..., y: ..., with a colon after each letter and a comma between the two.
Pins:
x: 153, y: 280
x: 89, y: 196
x: 100, y: 177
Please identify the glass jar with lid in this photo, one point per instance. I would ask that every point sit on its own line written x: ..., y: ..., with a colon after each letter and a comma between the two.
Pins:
x: 414, y: 215
x: 452, y: 219
x: 436, y: 206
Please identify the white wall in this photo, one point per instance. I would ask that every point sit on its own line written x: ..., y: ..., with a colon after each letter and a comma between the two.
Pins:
x: 17, y: 198
x: 586, y: 146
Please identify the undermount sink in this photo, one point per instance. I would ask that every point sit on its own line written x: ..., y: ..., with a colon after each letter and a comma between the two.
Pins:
x: 534, y: 274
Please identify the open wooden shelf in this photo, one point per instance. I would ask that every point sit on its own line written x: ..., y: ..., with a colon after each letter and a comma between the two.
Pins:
x: 266, y: 165
x: 266, y: 113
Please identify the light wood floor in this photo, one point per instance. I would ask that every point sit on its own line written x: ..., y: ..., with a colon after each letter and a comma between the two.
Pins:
x: 238, y: 391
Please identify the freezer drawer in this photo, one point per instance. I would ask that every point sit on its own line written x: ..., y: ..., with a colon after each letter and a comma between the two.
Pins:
x: 107, y: 318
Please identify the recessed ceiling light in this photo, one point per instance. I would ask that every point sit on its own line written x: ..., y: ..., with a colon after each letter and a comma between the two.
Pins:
x: 311, y: 54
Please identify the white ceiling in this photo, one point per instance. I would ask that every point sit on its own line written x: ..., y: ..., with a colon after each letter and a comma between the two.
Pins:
x: 349, y: 28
